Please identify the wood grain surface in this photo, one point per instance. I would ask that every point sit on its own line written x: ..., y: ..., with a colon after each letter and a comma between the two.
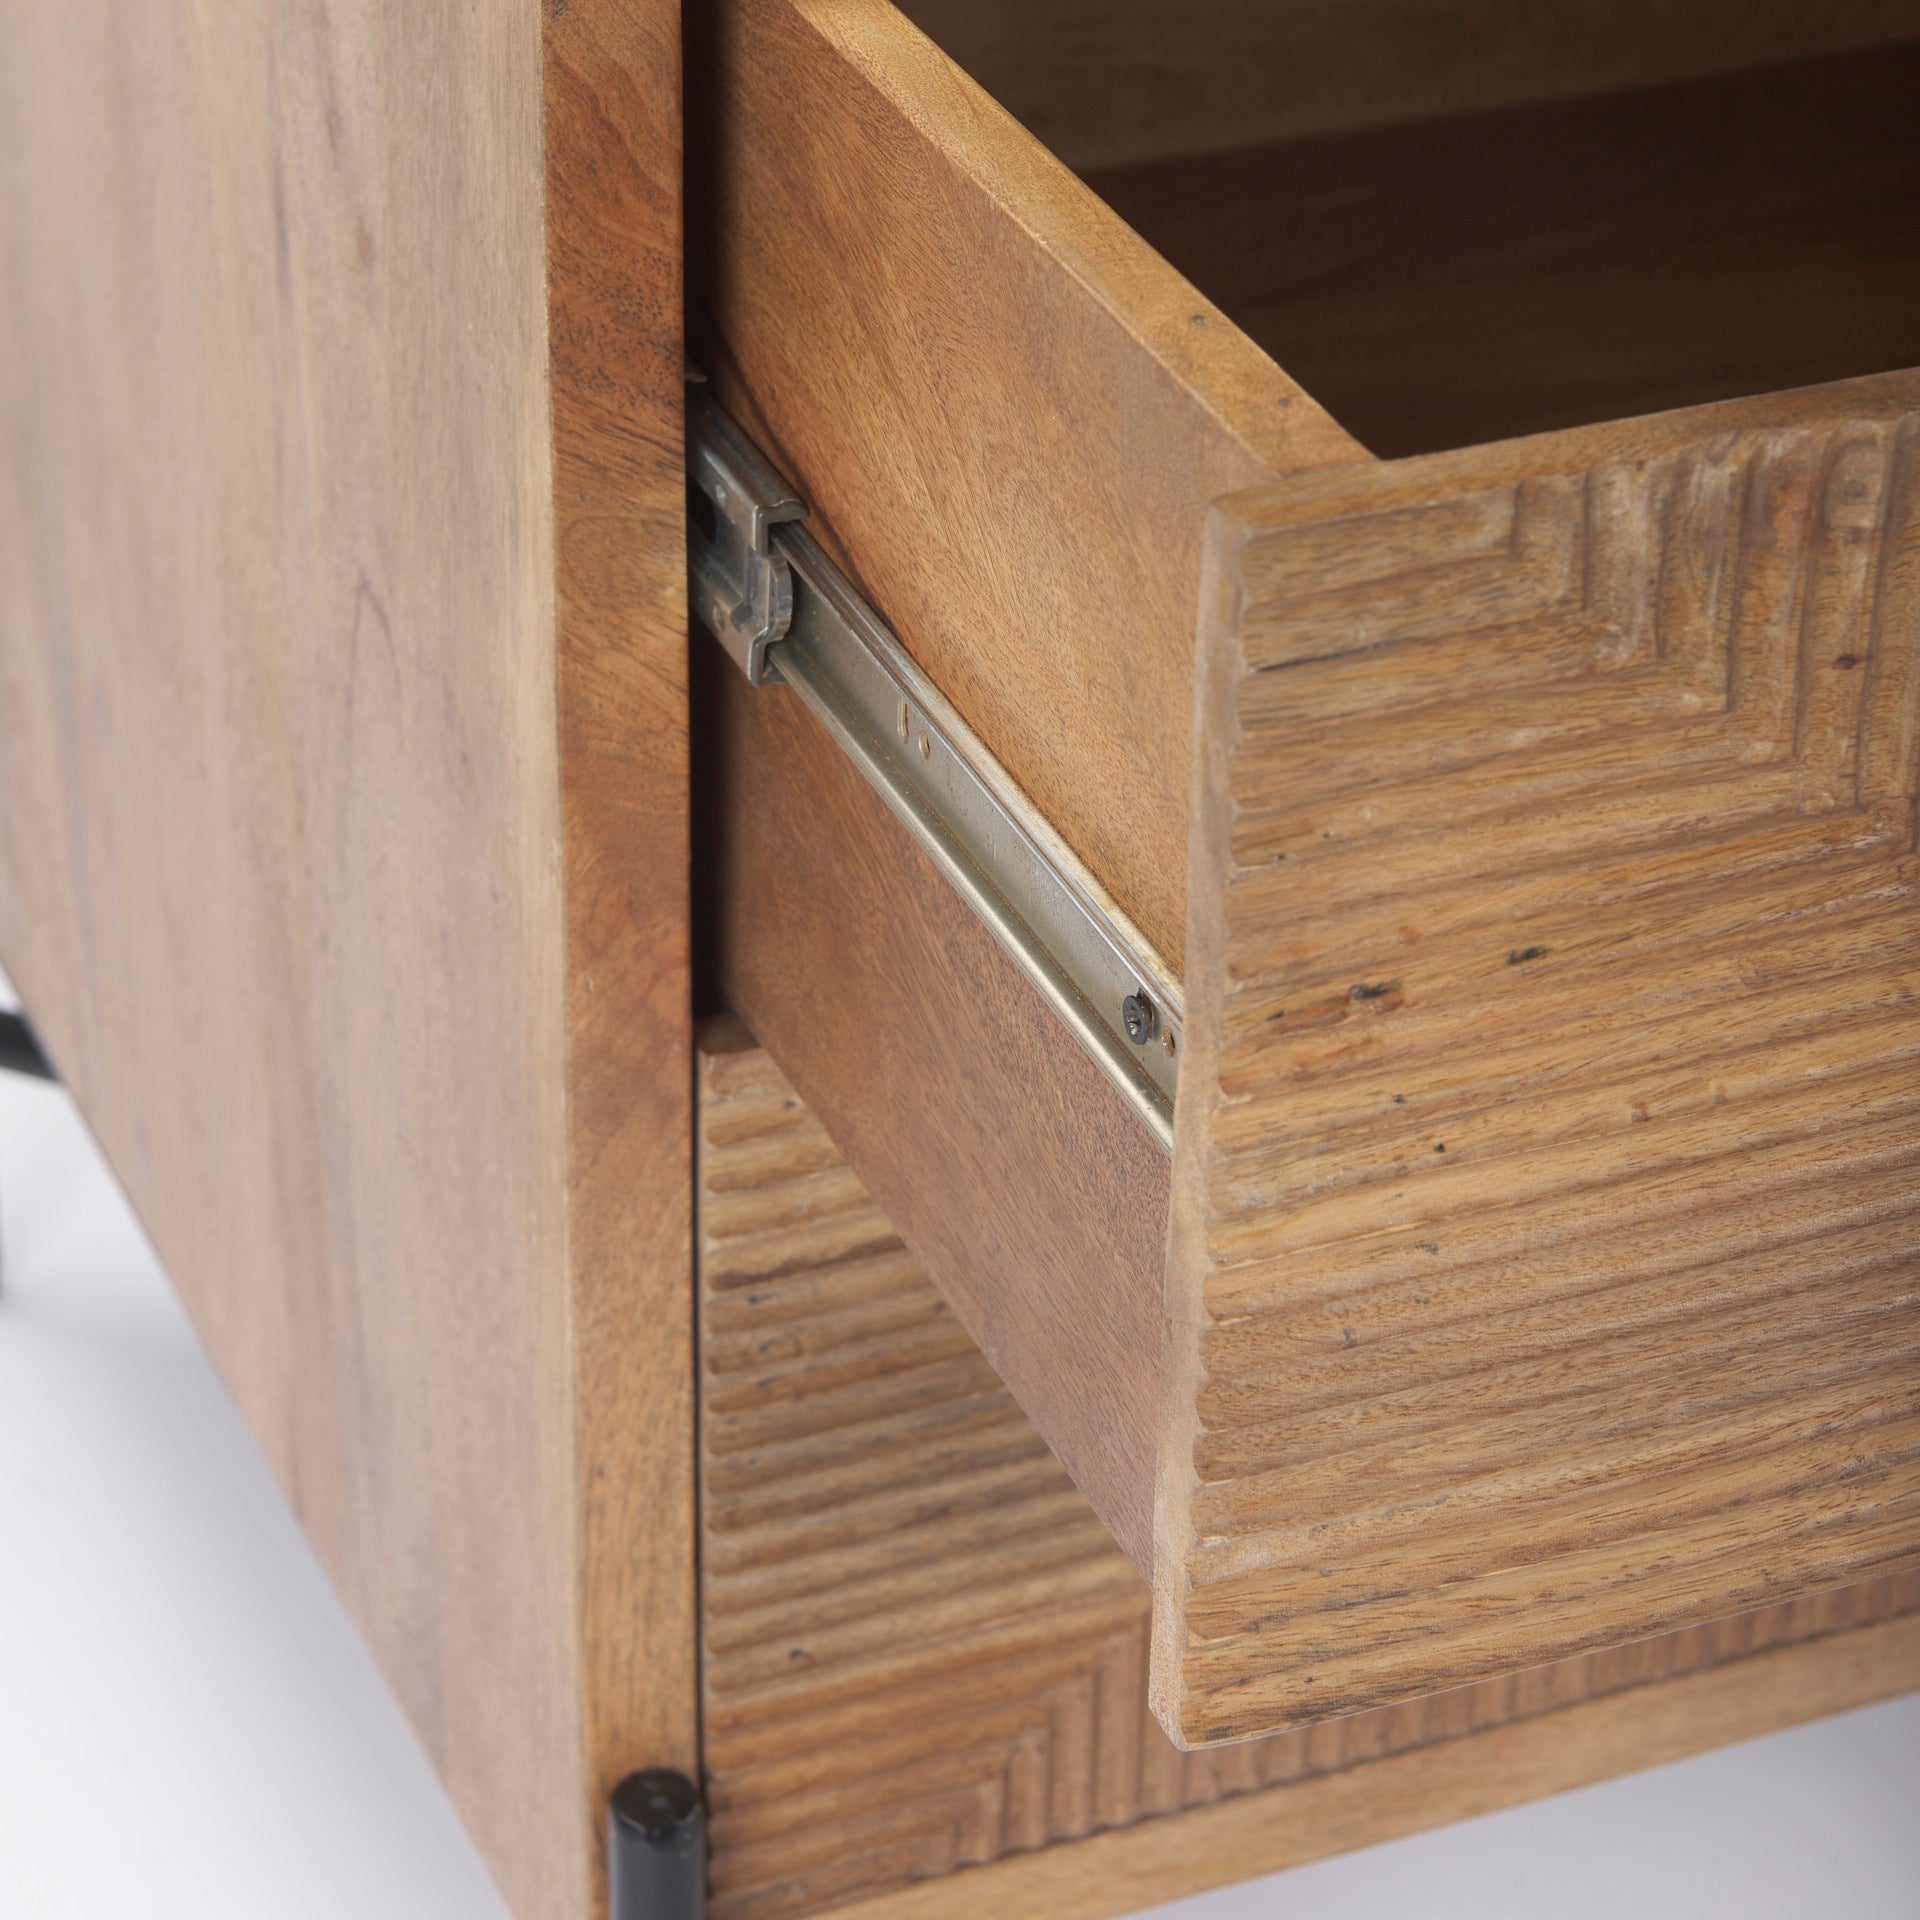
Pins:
x: 1492, y: 274
x: 922, y: 1653
x: 1546, y: 1245
x: 1112, y: 1872
x: 279, y: 790
x: 1111, y: 82
x: 1007, y: 413
x: 343, y: 872
x: 614, y: 288
x: 1035, y: 1198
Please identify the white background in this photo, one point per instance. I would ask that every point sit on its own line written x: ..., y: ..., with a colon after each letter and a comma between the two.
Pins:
x: 190, y: 1731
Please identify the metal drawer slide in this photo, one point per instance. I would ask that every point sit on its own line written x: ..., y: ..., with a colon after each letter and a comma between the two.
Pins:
x: 787, y: 615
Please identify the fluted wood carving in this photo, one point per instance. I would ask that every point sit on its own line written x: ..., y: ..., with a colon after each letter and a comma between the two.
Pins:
x: 1547, y: 1263
x: 921, y: 1651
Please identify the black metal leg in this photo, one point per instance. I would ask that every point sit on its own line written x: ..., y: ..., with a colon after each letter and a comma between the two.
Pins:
x: 20, y: 1052
x: 656, y: 1848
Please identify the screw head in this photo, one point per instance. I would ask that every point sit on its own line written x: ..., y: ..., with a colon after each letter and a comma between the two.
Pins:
x: 655, y: 1804
x: 1136, y: 1010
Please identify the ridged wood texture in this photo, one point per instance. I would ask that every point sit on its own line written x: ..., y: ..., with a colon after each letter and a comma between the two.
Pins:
x: 921, y: 1649
x: 1547, y: 1209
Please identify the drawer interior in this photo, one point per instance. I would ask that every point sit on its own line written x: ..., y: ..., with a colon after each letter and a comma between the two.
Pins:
x: 1513, y: 271
x: 1109, y: 83
x: 1453, y: 272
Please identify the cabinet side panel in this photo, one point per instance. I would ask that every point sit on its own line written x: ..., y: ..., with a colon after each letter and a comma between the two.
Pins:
x: 1547, y: 1216
x: 613, y: 233
x: 279, y: 823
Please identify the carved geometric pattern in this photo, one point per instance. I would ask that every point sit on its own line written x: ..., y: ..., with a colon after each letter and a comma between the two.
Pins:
x: 1555, y: 1276
x: 920, y: 1649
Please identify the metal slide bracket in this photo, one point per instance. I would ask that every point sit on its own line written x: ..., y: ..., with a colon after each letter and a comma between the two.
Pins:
x: 785, y: 613
x: 742, y: 588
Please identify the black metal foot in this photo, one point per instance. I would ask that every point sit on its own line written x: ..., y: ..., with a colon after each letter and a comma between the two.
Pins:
x: 656, y: 1848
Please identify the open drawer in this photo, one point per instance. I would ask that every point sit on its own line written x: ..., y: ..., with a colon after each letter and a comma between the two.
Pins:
x: 1531, y: 826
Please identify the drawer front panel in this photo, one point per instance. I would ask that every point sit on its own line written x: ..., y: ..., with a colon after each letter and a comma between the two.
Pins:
x: 1549, y: 1200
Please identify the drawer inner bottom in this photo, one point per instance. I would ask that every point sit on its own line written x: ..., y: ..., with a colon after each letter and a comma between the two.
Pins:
x: 1499, y: 273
